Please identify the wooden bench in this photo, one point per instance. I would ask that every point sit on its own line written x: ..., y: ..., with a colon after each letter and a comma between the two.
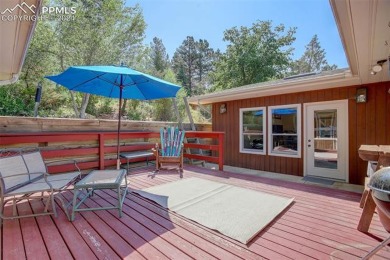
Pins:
x: 136, y: 155
x: 24, y: 176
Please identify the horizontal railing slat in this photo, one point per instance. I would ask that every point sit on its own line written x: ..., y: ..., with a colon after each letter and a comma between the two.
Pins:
x: 202, y: 146
x: 201, y: 157
x: 98, y: 149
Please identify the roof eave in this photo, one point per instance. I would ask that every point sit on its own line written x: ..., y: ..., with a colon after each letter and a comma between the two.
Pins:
x: 277, y: 88
x: 9, y: 77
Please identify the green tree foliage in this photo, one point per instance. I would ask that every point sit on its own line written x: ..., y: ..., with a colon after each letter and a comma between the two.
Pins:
x: 162, y: 108
x: 255, y: 54
x: 18, y: 98
x: 103, y: 32
x: 204, y: 62
x: 312, y: 60
x: 192, y: 62
x: 184, y: 62
x: 13, y: 104
x: 159, y: 56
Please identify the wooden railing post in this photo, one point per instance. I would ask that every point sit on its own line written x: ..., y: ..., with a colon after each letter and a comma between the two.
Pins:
x: 220, y: 151
x: 101, y: 151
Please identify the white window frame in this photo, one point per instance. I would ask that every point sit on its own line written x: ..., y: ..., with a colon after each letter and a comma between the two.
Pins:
x: 271, y: 152
x: 253, y: 151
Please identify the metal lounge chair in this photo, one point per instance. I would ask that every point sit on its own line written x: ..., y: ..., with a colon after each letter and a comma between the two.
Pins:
x: 171, y: 153
x: 24, y: 176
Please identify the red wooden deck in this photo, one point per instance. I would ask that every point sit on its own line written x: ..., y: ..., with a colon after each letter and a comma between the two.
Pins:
x: 321, y: 224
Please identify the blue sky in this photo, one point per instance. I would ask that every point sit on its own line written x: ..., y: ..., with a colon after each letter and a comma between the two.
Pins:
x: 174, y: 20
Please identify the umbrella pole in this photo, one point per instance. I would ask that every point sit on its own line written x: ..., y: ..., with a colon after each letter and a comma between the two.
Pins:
x: 118, y: 161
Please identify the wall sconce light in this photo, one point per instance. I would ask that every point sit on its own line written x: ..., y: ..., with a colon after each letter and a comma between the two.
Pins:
x: 222, y: 108
x: 361, y: 95
x: 377, y: 67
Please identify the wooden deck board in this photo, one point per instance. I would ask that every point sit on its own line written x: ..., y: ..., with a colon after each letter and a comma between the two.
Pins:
x: 139, y: 246
x: 188, y: 239
x: 12, y: 246
x: 55, y: 246
x: 72, y: 238
x: 157, y: 230
x: 108, y: 232
x: 320, y: 224
x: 32, y: 239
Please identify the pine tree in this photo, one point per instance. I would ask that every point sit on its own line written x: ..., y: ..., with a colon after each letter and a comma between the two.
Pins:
x: 161, y: 69
x: 159, y: 56
x: 205, y: 60
x: 192, y: 63
x: 312, y: 60
x: 184, y: 64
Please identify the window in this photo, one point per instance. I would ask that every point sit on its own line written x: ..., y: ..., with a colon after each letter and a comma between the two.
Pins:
x: 284, y: 124
x: 252, y: 130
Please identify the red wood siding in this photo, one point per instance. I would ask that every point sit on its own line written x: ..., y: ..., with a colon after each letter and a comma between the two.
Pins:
x: 369, y: 123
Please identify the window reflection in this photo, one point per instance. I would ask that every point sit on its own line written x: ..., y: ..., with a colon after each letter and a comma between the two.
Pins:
x: 252, y: 130
x: 325, y: 139
x: 284, y: 130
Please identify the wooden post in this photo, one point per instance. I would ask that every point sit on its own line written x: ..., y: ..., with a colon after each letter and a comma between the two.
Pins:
x: 101, y: 151
x: 367, y: 213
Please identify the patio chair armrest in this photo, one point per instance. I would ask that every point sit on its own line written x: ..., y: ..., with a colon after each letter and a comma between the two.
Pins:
x: 61, y: 161
x: 156, y: 151
x: 45, y: 175
x: 21, y: 174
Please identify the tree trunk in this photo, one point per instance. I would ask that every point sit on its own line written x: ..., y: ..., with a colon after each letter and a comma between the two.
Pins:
x: 123, y: 108
x: 75, y: 109
x: 84, y: 105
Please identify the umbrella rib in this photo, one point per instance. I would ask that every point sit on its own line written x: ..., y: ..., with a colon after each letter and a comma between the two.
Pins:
x: 89, y: 80
x: 136, y: 83
x: 111, y: 82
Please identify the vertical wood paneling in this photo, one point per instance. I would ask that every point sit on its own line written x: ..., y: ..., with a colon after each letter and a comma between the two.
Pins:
x: 387, y: 111
x: 370, y: 120
x: 328, y: 95
x: 306, y: 97
x: 361, y: 127
x: 335, y: 94
x: 231, y: 120
x: 369, y: 123
x: 313, y: 96
x: 352, y: 126
x: 343, y: 93
x: 380, y: 109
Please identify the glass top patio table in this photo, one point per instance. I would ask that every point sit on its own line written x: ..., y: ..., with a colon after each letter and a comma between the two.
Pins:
x: 98, y: 180
x: 102, y: 179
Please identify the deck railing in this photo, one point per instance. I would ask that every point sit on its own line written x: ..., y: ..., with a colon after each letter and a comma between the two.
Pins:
x: 98, y: 149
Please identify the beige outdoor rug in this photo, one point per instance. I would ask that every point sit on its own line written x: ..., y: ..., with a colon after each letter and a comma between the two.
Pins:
x: 235, y: 212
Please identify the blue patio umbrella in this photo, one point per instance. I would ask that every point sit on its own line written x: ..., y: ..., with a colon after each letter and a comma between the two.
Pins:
x: 115, y: 82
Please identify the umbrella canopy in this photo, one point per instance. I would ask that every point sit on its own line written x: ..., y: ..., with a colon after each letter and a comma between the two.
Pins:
x: 107, y: 81
x: 115, y: 82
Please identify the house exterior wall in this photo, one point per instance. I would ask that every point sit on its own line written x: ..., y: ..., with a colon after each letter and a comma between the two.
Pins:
x: 369, y: 123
